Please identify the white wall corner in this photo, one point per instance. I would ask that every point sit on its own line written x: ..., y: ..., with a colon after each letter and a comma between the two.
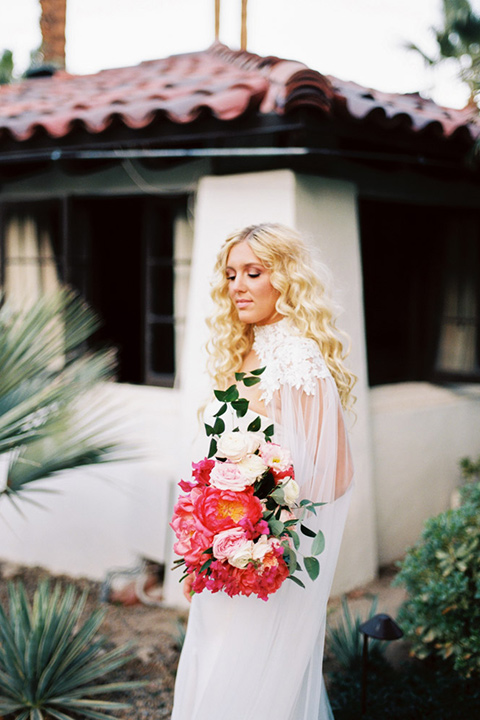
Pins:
x: 327, y: 217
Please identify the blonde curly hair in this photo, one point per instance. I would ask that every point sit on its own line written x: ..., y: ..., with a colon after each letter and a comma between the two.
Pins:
x: 303, y: 298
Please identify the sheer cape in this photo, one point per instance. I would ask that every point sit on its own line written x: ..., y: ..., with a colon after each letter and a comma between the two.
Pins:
x: 244, y: 658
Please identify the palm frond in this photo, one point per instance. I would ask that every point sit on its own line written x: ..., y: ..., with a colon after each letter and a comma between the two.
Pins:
x: 48, y: 421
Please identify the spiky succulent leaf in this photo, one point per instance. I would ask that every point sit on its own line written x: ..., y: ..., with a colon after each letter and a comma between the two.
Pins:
x: 51, y: 663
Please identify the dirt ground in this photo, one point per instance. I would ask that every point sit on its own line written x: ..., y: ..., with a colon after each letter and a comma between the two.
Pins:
x: 155, y: 634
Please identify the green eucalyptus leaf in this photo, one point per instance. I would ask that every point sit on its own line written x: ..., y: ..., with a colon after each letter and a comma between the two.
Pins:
x: 222, y: 410
x: 306, y: 531
x: 295, y: 538
x: 240, y: 406
x: 276, y: 527
x: 258, y: 371
x: 219, y: 426
x: 249, y: 381
x: 255, y: 425
x: 296, y: 581
x: 269, y: 431
x: 220, y: 395
x: 208, y: 429
x: 312, y: 566
x: 278, y: 495
x: 206, y: 565
x: 318, y: 544
x: 213, y: 448
x: 239, y: 376
x: 231, y: 393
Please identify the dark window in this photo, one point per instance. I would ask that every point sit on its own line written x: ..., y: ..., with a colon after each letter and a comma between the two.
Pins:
x: 421, y: 276
x: 120, y: 254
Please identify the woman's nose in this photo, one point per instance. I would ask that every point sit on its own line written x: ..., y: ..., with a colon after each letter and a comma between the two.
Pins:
x: 239, y: 283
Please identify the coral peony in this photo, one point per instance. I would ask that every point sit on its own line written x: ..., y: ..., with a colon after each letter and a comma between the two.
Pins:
x: 222, y: 509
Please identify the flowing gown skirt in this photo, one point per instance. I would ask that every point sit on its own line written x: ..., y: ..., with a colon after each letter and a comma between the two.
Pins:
x: 247, y: 659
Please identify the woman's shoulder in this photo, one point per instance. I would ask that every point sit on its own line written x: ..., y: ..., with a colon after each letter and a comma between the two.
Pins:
x: 289, y: 357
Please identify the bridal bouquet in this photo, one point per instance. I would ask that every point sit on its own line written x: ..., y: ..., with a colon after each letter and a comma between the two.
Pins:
x: 236, y: 525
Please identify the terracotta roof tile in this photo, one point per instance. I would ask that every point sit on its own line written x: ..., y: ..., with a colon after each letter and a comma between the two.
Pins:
x: 222, y: 82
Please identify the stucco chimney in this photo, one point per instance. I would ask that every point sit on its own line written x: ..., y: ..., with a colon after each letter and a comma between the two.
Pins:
x: 52, y: 26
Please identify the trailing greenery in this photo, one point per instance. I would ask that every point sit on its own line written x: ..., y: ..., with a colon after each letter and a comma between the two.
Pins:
x: 52, y: 665
x: 441, y: 573
x: 344, y: 640
x: 45, y: 376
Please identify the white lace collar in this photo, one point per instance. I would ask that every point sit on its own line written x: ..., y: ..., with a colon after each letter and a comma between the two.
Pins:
x: 289, y: 357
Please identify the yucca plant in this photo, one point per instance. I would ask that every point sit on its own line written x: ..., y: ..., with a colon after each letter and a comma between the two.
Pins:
x: 344, y: 640
x: 46, y: 374
x: 53, y: 664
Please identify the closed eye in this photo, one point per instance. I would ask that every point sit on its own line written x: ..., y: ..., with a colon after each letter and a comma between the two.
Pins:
x: 253, y: 274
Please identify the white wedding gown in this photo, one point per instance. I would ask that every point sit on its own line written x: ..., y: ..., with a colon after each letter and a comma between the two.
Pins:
x: 244, y: 658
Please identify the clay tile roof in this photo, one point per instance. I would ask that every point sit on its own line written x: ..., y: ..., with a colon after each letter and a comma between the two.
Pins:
x: 219, y: 81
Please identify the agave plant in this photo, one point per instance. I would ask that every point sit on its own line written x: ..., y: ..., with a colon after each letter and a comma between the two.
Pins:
x: 51, y: 662
x: 343, y: 639
x: 45, y: 375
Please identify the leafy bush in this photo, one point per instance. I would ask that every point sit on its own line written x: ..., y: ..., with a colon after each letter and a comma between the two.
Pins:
x: 416, y: 691
x: 442, y: 576
x: 344, y: 640
x: 50, y: 662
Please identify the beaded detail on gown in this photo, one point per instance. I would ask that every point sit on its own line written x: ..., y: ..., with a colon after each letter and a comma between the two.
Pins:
x: 244, y: 658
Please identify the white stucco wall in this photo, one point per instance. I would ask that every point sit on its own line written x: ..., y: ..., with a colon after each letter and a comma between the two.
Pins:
x: 326, y: 214
x: 110, y: 515
x: 420, y: 432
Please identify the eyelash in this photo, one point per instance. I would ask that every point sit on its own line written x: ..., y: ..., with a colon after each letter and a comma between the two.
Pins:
x: 252, y: 275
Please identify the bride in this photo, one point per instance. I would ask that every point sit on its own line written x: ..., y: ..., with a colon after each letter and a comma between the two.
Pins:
x: 243, y: 658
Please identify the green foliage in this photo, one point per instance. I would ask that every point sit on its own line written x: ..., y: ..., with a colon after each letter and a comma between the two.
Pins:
x: 51, y: 663
x: 6, y: 67
x: 344, y: 640
x: 415, y: 691
x: 458, y: 40
x: 46, y: 375
x: 441, y: 573
x: 470, y: 469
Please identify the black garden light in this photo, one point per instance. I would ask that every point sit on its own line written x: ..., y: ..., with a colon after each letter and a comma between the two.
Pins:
x: 380, y: 627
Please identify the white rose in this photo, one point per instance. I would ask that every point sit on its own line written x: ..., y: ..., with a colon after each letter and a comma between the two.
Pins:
x: 234, y: 446
x: 261, y: 548
x: 255, y: 439
x: 291, y: 491
x: 242, y: 555
x: 252, y: 467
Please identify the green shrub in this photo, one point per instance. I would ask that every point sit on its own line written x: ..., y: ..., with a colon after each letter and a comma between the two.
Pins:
x: 442, y: 576
x: 50, y: 662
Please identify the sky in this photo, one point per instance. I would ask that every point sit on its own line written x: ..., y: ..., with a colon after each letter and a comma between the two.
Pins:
x: 359, y: 40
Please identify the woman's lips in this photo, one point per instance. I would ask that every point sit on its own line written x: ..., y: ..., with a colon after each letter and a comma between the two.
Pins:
x: 242, y: 303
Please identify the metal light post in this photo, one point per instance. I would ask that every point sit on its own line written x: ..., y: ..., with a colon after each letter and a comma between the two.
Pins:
x: 380, y: 627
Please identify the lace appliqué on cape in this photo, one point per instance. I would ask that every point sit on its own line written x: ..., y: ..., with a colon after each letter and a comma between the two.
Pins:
x: 289, y: 358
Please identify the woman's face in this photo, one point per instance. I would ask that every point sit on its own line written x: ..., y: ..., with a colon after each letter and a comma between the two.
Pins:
x: 249, y: 286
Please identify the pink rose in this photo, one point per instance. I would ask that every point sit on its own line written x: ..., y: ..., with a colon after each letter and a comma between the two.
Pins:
x: 275, y: 456
x: 228, y: 476
x: 233, y: 546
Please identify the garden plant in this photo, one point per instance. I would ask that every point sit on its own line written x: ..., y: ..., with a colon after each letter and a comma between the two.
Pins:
x: 441, y: 573
x: 52, y: 663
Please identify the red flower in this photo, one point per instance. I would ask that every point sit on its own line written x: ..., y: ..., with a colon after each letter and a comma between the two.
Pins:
x: 219, y: 510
